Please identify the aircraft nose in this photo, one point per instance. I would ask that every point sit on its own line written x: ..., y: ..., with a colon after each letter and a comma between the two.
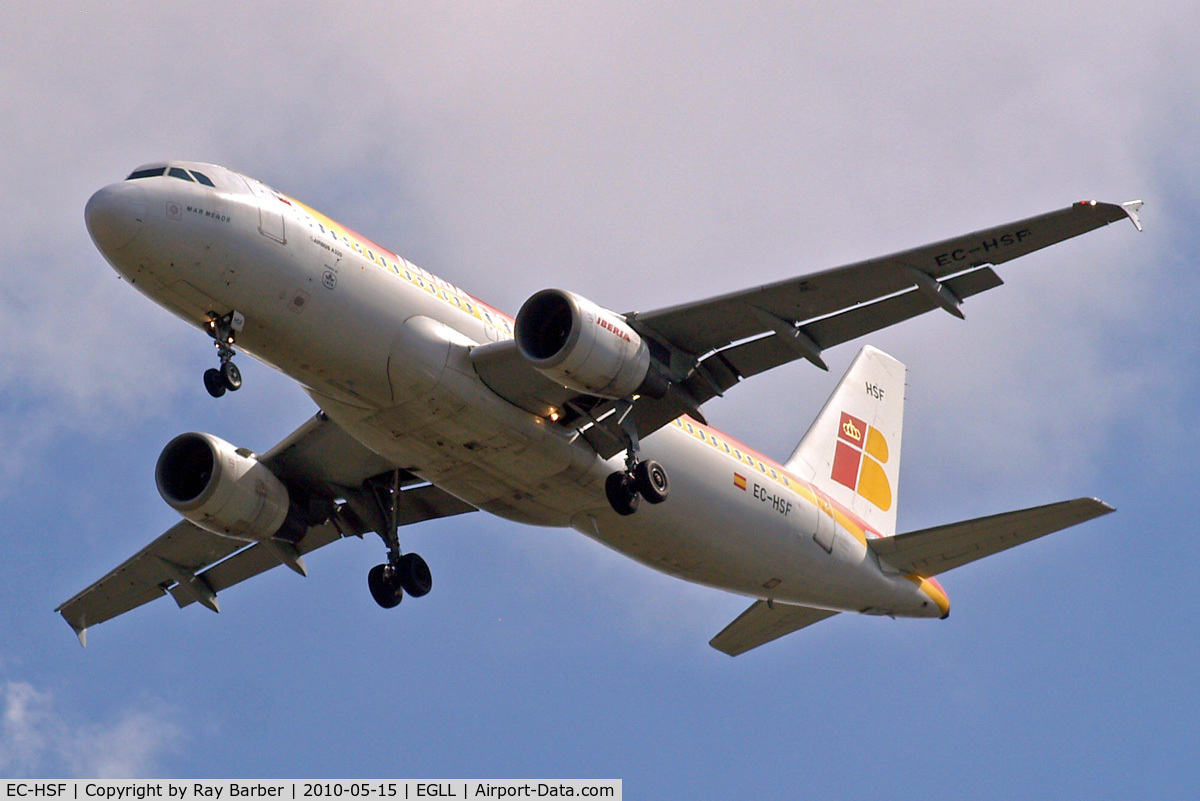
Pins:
x: 115, y: 215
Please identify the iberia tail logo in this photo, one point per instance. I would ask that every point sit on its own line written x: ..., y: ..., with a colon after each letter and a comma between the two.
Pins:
x: 858, y: 461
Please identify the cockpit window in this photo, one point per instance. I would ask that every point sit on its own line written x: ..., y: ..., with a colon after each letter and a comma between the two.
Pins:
x: 180, y: 173
x: 149, y: 172
x: 202, y: 178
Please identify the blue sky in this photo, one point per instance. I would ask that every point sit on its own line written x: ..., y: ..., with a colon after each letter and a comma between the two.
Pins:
x: 642, y: 156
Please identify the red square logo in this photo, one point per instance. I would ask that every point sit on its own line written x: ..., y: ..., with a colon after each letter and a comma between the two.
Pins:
x: 845, y: 465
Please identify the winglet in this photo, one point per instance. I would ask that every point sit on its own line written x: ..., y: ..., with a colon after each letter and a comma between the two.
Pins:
x: 1131, y: 208
x: 79, y: 625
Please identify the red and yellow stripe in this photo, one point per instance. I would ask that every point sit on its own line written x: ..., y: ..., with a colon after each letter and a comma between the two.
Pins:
x: 933, y: 588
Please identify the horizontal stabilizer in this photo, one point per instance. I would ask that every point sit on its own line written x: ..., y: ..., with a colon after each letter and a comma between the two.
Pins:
x: 764, y: 622
x: 933, y: 551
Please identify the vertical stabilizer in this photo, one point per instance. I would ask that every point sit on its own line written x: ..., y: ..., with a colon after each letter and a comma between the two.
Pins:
x: 852, y: 450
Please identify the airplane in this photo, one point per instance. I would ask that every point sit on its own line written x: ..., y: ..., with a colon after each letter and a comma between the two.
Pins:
x: 431, y: 403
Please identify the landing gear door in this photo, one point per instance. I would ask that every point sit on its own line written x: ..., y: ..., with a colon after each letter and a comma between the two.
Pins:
x: 826, y: 527
x: 270, y: 212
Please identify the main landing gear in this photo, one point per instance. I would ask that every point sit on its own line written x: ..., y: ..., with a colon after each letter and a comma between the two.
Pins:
x: 625, y: 489
x: 640, y: 479
x: 402, y: 573
x: 223, y: 329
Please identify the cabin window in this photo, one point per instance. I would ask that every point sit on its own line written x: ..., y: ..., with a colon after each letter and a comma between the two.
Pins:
x: 181, y: 174
x: 203, y: 179
x: 149, y: 172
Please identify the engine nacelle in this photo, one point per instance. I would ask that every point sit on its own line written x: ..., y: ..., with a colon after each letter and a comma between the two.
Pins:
x: 220, y: 488
x: 580, y: 345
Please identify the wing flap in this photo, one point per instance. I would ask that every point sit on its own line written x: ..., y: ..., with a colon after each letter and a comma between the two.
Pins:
x: 764, y: 622
x: 759, y: 355
x: 712, y: 324
x: 933, y: 551
x: 144, y: 576
x: 254, y: 559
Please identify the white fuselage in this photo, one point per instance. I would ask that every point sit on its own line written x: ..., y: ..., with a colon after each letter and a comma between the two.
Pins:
x: 384, y: 349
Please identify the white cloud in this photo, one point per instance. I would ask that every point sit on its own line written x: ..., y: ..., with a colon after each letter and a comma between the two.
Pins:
x: 639, y: 155
x: 38, y: 740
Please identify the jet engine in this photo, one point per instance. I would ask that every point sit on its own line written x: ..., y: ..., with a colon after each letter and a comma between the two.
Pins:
x: 582, y: 346
x: 220, y: 488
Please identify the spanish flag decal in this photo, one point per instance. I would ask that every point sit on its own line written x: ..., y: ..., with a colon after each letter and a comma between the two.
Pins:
x: 858, y: 461
x: 739, y: 481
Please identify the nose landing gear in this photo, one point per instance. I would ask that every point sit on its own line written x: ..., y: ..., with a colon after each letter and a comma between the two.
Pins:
x: 223, y: 329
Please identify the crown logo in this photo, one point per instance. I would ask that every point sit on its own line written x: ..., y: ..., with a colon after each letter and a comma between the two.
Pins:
x: 860, y: 453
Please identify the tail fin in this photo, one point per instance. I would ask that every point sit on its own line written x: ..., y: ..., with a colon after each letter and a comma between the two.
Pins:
x: 852, y: 450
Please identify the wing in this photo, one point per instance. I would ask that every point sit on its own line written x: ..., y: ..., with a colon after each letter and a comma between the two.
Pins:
x: 763, y: 622
x: 850, y: 301
x: 320, y: 462
x: 710, y: 345
x: 932, y: 551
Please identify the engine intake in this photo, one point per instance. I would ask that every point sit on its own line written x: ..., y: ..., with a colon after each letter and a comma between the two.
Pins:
x: 580, y: 345
x: 220, y: 488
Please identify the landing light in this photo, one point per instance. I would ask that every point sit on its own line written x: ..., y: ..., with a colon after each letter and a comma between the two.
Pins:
x: 553, y: 417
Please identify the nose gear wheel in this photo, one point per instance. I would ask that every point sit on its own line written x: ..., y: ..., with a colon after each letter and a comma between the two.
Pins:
x: 213, y: 382
x: 223, y: 329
